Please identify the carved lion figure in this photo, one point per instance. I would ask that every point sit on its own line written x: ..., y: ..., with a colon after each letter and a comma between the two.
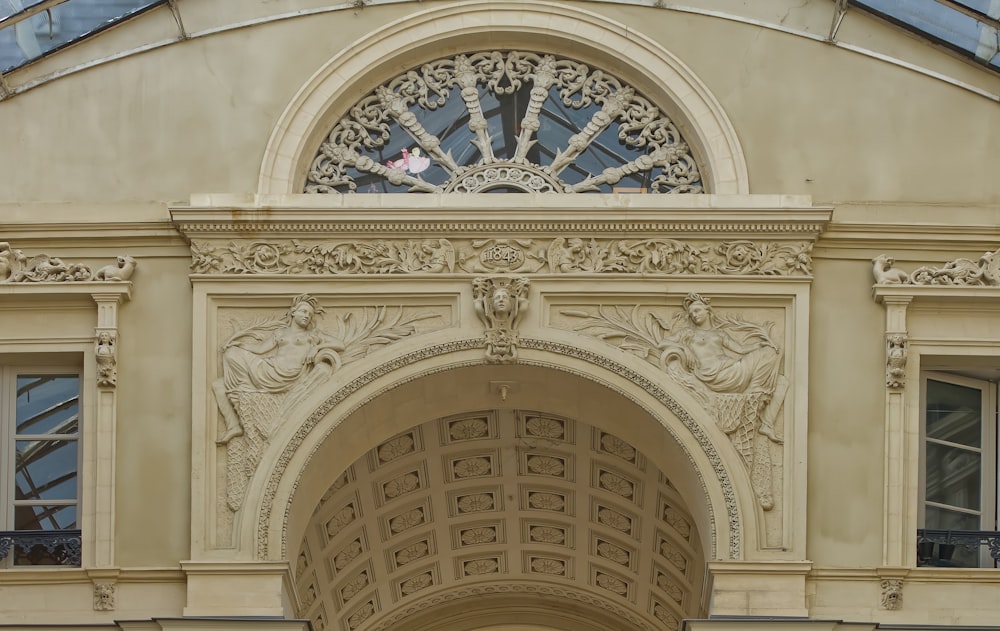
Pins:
x: 121, y: 269
x: 885, y: 273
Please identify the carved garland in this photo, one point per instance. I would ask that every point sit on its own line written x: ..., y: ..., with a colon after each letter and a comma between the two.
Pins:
x: 461, y: 105
x: 572, y: 255
x: 654, y: 389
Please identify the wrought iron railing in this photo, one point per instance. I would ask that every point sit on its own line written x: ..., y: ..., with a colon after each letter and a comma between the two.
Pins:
x: 937, y: 547
x: 41, y: 547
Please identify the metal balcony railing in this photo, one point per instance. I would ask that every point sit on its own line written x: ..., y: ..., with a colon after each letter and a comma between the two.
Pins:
x: 41, y: 547
x: 937, y: 547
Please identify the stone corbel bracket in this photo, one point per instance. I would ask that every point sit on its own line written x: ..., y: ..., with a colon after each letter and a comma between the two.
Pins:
x: 500, y: 302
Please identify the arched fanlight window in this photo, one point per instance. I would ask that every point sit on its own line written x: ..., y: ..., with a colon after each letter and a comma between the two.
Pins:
x: 504, y: 122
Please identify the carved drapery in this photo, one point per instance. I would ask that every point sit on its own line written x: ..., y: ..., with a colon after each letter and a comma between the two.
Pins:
x: 504, y: 121
x: 559, y: 255
x: 731, y: 365
x: 270, y: 364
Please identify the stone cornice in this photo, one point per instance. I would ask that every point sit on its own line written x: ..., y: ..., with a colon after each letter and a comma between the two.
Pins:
x: 86, y: 289
x: 312, y: 215
x: 942, y: 293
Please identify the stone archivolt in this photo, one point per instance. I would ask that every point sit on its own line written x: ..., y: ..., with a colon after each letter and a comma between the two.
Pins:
x: 270, y: 364
x: 451, y: 108
x: 559, y: 255
x: 731, y: 365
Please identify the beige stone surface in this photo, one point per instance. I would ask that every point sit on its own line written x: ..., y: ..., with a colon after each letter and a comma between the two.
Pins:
x: 201, y: 146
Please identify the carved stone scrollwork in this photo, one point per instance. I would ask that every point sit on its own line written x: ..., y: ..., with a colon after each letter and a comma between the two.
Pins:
x: 731, y: 365
x: 895, y: 360
x: 560, y: 255
x: 106, y: 355
x: 498, y: 152
x: 500, y: 303
x: 984, y: 272
x: 892, y: 594
x: 269, y: 365
x: 17, y: 267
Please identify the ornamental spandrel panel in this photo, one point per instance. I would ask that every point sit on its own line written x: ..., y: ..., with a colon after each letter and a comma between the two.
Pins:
x: 270, y: 360
x: 733, y: 362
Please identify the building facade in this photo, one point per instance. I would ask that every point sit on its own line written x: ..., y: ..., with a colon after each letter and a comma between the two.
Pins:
x: 276, y: 351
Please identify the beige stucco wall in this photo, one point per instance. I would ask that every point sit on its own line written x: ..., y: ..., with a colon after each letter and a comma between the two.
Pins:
x: 885, y: 146
x: 862, y: 130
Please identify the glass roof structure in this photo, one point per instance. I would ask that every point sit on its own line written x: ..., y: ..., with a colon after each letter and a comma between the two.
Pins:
x: 31, y: 29
x: 969, y: 27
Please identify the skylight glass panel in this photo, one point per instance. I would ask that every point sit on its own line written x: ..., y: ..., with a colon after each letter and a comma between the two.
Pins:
x: 24, y: 39
x: 967, y: 26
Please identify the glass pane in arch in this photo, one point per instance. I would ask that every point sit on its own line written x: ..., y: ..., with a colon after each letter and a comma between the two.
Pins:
x: 504, y: 121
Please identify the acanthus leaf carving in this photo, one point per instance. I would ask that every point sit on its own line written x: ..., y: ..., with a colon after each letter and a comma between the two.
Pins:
x: 269, y: 365
x: 558, y: 255
x: 731, y: 365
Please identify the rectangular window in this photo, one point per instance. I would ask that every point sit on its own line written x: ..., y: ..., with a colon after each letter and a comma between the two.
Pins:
x: 958, y: 508
x: 39, y: 481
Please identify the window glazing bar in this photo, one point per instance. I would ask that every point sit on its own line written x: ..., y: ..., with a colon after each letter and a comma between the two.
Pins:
x: 30, y: 12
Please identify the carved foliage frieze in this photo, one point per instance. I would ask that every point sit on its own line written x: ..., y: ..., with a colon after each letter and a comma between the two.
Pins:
x: 270, y: 364
x: 18, y: 267
x: 559, y: 255
x: 733, y: 366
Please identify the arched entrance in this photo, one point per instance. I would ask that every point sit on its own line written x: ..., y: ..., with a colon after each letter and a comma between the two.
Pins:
x: 482, y: 495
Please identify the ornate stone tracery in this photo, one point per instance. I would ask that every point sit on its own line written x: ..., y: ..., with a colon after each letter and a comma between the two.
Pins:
x: 571, y: 122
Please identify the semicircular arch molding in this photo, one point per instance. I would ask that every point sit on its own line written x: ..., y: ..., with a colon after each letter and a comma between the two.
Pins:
x: 419, y: 386
x: 547, y: 27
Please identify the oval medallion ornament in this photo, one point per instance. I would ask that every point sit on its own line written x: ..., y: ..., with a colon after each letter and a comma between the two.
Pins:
x: 502, y: 256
